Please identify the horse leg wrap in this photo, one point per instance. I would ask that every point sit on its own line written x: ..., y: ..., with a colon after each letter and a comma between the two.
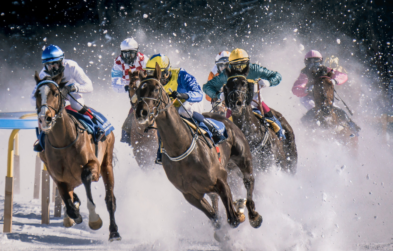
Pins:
x: 95, y: 221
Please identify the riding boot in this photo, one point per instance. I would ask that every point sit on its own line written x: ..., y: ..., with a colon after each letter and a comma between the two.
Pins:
x: 344, y: 117
x: 37, y: 147
x: 275, y: 124
x: 216, y: 135
x: 159, y: 153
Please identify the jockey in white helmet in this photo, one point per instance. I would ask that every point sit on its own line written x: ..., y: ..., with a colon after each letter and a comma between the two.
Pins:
x: 221, y: 63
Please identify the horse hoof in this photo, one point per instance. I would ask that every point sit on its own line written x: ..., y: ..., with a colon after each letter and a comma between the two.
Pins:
x: 256, y: 222
x: 95, y: 225
x: 115, y: 236
x: 68, y: 222
x: 78, y: 220
x: 240, y: 205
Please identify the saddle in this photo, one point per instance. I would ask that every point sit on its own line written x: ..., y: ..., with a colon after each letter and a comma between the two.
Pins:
x: 203, y: 129
x: 92, y: 126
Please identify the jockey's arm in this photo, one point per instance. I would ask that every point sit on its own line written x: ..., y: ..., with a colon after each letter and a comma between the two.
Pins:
x: 260, y: 72
x: 117, y: 81
x: 210, y: 77
x: 212, y: 88
x: 82, y: 81
x: 340, y: 77
x: 189, y: 86
x: 300, y: 86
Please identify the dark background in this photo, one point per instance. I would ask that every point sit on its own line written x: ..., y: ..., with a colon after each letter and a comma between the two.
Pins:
x: 27, y: 25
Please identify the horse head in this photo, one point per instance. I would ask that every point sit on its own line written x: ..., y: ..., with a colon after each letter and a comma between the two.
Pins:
x: 135, y: 80
x: 50, y: 100
x: 238, y: 92
x: 151, y: 98
x: 323, y: 91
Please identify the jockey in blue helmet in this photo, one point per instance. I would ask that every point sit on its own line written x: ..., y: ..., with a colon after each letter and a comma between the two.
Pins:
x: 77, y: 81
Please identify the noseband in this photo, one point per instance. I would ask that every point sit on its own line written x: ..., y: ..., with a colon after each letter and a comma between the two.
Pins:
x: 58, y: 112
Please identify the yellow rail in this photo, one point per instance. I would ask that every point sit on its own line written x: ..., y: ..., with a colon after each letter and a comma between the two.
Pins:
x: 10, y: 160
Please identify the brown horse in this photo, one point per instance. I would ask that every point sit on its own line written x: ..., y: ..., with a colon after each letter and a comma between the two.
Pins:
x: 266, y: 147
x: 70, y: 155
x: 142, y: 143
x: 324, y: 115
x: 197, y: 169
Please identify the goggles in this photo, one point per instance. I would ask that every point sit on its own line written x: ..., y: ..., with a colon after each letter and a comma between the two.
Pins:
x: 52, y: 66
x: 238, y: 66
x: 221, y: 67
x: 129, y: 54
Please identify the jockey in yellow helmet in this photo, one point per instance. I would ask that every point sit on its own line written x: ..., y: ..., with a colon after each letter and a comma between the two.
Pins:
x: 238, y: 61
x: 181, y: 85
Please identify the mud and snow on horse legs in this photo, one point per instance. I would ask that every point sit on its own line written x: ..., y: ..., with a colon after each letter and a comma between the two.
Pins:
x: 203, y: 205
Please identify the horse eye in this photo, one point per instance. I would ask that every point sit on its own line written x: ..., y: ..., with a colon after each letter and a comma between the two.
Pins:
x: 156, y: 90
x: 56, y: 95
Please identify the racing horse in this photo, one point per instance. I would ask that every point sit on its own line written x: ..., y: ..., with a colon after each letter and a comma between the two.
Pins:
x: 70, y: 155
x: 325, y: 115
x: 143, y: 142
x: 266, y: 147
x: 191, y: 165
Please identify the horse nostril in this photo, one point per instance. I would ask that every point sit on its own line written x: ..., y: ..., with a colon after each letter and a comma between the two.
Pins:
x: 143, y: 113
x: 48, y: 119
x: 238, y: 103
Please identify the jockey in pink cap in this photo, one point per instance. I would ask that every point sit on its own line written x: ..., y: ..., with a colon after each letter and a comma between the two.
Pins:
x: 302, y: 89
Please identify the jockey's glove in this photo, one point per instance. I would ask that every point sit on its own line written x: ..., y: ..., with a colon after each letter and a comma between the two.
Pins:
x: 71, y: 88
x: 126, y: 88
x: 263, y: 83
x: 334, y: 82
x: 176, y: 94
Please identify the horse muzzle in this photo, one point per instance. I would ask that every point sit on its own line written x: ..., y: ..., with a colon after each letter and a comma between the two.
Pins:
x: 46, y: 121
x: 237, y: 107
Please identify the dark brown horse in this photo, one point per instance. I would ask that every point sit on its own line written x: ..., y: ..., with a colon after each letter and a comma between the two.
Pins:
x: 192, y: 167
x: 143, y: 143
x: 324, y: 115
x: 266, y: 147
x: 70, y: 156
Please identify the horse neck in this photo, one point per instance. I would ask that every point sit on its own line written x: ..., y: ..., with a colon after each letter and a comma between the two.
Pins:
x: 63, y: 132
x: 174, y: 134
x: 323, y: 107
x: 249, y: 125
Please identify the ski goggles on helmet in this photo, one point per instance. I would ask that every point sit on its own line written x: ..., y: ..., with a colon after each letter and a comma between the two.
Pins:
x: 52, y: 66
x: 128, y: 56
x: 221, y: 67
x: 238, y: 66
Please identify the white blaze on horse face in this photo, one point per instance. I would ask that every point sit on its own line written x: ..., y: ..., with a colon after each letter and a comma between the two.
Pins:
x: 44, y: 91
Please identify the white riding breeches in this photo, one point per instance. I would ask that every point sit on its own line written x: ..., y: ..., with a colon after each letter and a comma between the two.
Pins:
x: 75, y: 105
x: 191, y: 107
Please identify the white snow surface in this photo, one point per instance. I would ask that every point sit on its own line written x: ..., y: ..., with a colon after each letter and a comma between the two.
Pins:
x: 334, y: 202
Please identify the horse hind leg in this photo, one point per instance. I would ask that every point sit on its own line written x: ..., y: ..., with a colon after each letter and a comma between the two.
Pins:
x: 214, y: 199
x: 110, y: 199
x: 205, y: 207
x: 95, y: 221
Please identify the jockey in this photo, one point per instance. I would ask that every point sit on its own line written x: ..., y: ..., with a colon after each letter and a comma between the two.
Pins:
x: 238, y: 60
x: 130, y: 59
x: 77, y: 81
x: 181, y: 85
x: 221, y: 64
x: 302, y: 89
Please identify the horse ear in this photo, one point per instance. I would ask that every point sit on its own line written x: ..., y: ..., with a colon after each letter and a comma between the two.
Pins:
x: 246, y: 70
x: 157, y: 72
x: 250, y: 93
x: 37, y: 77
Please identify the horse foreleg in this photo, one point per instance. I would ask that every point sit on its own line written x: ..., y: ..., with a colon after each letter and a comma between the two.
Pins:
x: 95, y: 221
x: 234, y: 218
x: 110, y: 199
x: 214, y: 198
x: 254, y: 217
x: 203, y: 205
x: 71, y: 201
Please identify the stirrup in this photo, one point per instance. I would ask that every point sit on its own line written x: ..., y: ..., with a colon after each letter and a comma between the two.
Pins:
x: 158, y: 161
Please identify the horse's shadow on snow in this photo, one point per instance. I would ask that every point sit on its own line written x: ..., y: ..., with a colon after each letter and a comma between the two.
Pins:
x: 50, y: 239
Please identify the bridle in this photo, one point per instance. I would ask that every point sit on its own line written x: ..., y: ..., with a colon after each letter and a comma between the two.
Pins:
x: 58, y: 112
x: 156, y: 109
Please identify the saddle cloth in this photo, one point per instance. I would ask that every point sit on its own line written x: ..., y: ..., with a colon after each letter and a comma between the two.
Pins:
x: 220, y: 127
x: 92, y: 126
